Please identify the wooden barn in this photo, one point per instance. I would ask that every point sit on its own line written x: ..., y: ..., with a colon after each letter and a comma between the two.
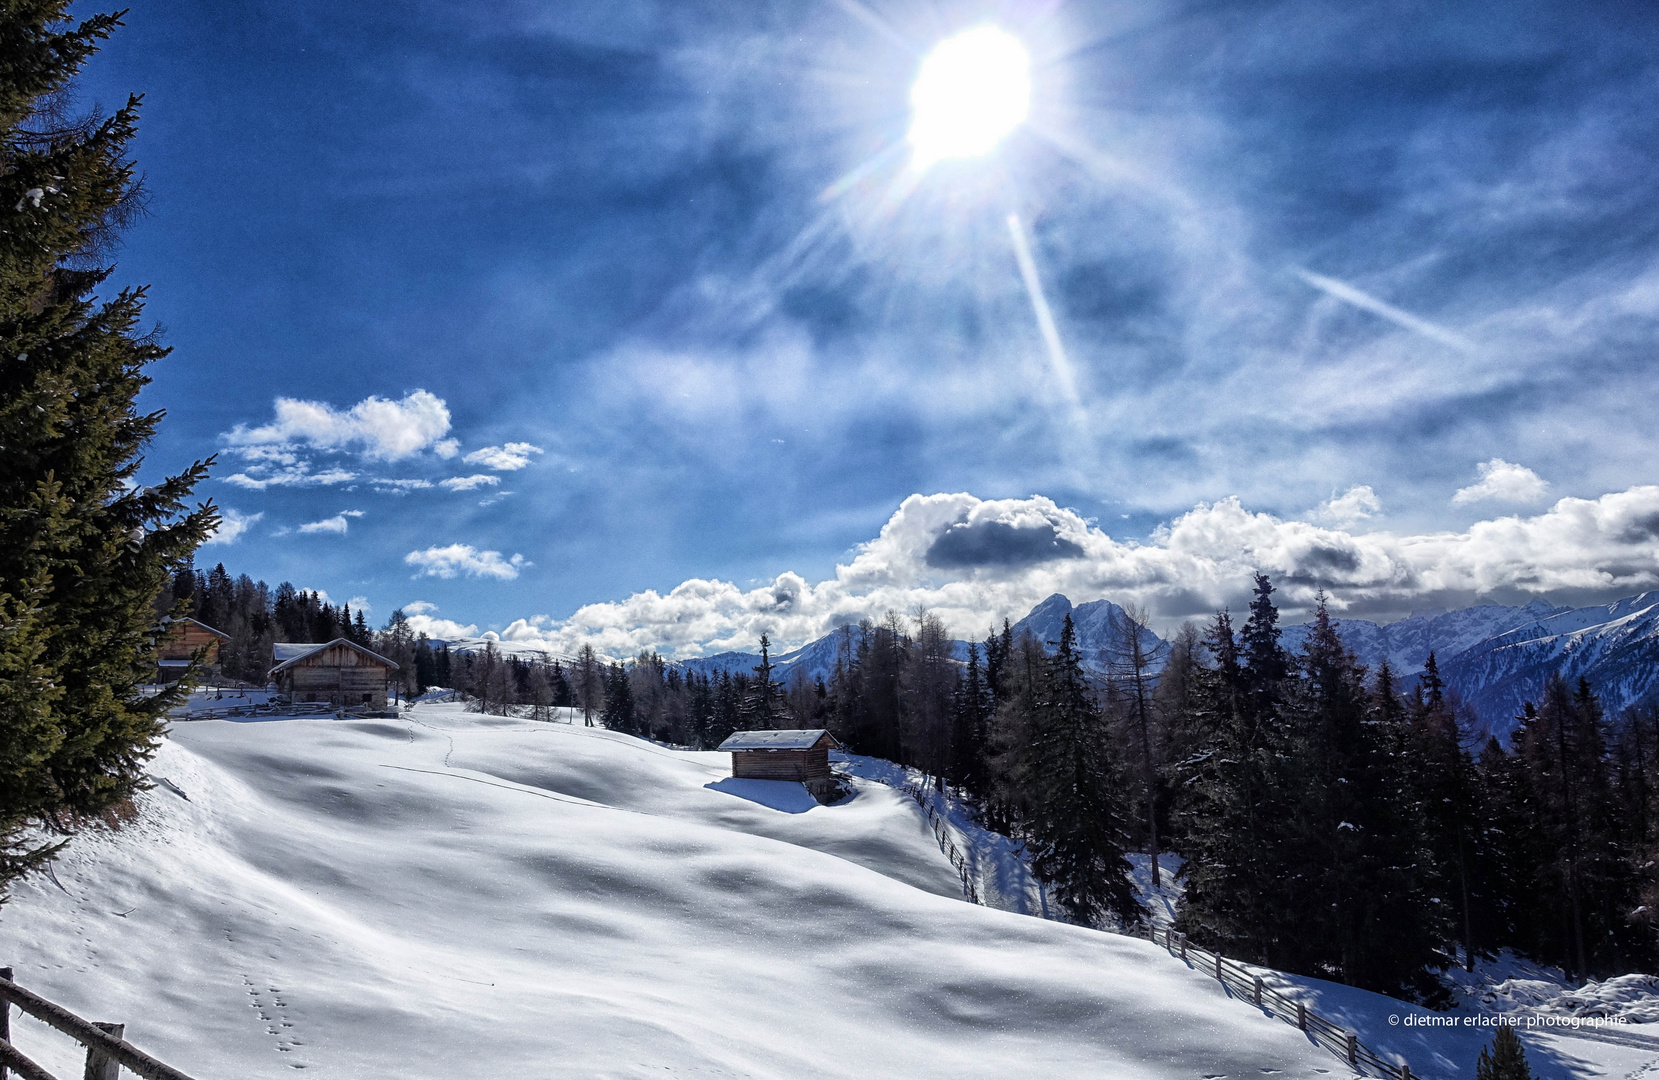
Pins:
x: 339, y: 672
x: 794, y: 754
x: 179, y: 643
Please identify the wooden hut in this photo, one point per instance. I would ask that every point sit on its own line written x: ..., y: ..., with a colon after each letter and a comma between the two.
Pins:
x: 339, y: 672
x: 179, y: 643
x: 795, y: 754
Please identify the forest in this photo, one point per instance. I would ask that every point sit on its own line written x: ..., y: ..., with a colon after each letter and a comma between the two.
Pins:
x: 1329, y: 820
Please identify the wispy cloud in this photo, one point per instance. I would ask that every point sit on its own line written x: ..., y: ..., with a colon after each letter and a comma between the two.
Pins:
x: 232, y: 524
x: 505, y: 458
x: 336, y: 524
x: 464, y: 559
x: 469, y: 483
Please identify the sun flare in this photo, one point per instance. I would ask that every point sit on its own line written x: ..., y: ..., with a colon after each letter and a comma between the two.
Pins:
x: 971, y: 91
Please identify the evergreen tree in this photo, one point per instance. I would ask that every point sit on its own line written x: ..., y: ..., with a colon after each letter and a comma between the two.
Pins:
x: 84, y: 551
x: 1077, y: 826
x: 1506, y: 1059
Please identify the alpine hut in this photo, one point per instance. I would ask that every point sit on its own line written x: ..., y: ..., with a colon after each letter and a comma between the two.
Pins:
x: 179, y: 641
x: 793, y: 754
x: 339, y: 672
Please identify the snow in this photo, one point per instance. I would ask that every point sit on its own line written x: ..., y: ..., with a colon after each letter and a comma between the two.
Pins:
x: 779, y: 739
x: 449, y: 894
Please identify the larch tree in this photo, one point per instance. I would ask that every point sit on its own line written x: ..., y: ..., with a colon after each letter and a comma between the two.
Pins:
x: 84, y: 550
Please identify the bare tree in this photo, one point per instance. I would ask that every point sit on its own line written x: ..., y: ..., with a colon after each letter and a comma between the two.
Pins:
x: 1131, y: 662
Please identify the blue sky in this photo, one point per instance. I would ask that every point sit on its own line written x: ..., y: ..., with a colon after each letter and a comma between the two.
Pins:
x: 1357, y: 294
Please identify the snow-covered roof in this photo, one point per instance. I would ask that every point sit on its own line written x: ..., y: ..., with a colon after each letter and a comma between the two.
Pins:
x: 789, y: 739
x: 288, y: 653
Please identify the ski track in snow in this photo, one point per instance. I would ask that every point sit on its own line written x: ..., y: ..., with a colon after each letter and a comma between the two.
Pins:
x: 459, y: 895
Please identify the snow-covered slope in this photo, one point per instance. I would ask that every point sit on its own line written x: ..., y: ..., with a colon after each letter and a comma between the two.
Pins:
x: 465, y: 896
x: 1615, y: 646
x: 1406, y: 644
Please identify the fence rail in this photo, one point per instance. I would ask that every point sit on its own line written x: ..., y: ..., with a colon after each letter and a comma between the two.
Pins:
x: 222, y: 712
x: 106, y: 1051
x: 1338, y: 1040
x: 941, y: 833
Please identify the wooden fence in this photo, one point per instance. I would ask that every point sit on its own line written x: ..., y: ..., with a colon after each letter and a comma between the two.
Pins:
x: 1244, y: 984
x: 106, y: 1050
x: 941, y: 833
x: 221, y: 712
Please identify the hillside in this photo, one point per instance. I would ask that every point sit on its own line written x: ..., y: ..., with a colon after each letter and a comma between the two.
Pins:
x: 456, y: 895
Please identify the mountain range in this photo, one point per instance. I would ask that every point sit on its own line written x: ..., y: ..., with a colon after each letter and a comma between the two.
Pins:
x: 1496, y: 658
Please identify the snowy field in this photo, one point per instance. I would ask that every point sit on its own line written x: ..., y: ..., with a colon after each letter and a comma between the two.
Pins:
x: 463, y: 896
x: 452, y: 895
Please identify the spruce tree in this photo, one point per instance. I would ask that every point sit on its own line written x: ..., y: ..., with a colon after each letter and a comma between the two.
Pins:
x: 1506, y: 1059
x: 84, y: 551
x: 1077, y: 828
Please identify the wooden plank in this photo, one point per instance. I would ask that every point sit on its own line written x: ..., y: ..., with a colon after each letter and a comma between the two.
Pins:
x: 99, y: 1065
x: 88, y: 1034
x: 25, y: 1068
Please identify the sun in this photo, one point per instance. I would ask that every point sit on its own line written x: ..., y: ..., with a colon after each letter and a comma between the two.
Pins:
x: 972, y: 89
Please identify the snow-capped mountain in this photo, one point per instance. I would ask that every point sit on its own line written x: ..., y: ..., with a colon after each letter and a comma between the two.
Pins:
x: 1615, y: 646
x: 1406, y: 644
x: 1101, y: 628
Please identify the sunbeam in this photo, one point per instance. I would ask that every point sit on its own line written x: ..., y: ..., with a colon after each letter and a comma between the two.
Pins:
x: 1366, y: 302
x: 1058, y: 362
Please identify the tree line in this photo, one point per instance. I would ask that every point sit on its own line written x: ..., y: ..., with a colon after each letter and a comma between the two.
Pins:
x: 1330, y: 820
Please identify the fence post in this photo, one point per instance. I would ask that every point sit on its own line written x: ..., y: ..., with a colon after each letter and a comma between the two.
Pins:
x: 1183, y: 946
x: 1353, y: 1050
x: 1301, y: 1016
x: 1405, y: 1071
x: 98, y: 1065
x: 1256, y: 992
x: 5, y: 1019
x: 1218, y: 968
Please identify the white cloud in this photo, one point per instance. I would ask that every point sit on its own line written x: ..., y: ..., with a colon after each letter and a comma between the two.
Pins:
x: 513, y: 455
x: 381, y: 429
x: 447, y: 448
x: 399, y: 487
x: 360, y: 603
x: 457, y: 559
x: 1504, y: 481
x: 423, y: 621
x: 1351, y: 507
x: 293, y: 476
x: 336, y: 524
x: 232, y: 524
x: 441, y: 629
x: 468, y: 483
x: 974, y: 562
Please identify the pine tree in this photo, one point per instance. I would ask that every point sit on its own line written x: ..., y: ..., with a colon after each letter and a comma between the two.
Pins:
x: 1077, y: 827
x: 84, y: 551
x: 1506, y: 1059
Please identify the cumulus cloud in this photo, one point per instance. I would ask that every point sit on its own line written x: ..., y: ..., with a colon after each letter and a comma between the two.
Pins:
x: 507, y: 458
x: 399, y: 487
x: 1198, y: 562
x: 458, y: 559
x: 468, y: 483
x: 232, y: 524
x: 1350, y: 508
x: 1504, y: 481
x: 336, y: 524
x: 379, y: 428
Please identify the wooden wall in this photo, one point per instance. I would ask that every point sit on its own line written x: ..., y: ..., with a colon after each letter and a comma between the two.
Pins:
x: 184, y: 638
x: 781, y: 764
x: 337, y: 675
